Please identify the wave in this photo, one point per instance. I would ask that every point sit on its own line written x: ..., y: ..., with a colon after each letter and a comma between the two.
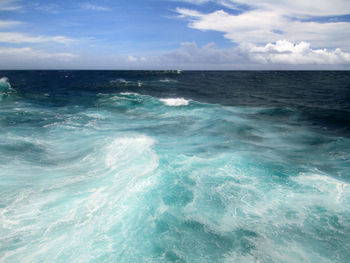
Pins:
x: 167, y: 80
x: 125, y: 82
x: 4, y: 83
x: 175, y: 101
x: 5, y: 88
x: 129, y: 93
x: 120, y: 80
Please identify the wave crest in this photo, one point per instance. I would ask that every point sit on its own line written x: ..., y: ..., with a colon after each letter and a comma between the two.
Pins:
x: 4, y: 84
x: 175, y: 101
x: 5, y: 88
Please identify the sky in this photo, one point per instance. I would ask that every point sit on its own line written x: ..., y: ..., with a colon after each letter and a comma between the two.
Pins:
x: 175, y: 34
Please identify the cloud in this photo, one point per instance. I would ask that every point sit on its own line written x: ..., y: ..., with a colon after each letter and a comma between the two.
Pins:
x: 91, y: 7
x: 14, y: 37
x: 285, y: 52
x: 135, y: 59
x: 264, y: 26
x: 26, y: 57
x: 9, y: 23
x: 190, y: 53
x: 225, y: 3
x: 9, y: 5
x: 282, y: 54
x: 27, y: 52
x: 48, y: 8
x: 298, y: 8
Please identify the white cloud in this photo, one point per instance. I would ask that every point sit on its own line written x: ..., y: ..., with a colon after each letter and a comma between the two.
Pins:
x: 132, y: 58
x: 135, y: 59
x: 190, y: 53
x: 89, y: 6
x: 14, y: 37
x: 9, y: 5
x: 279, y: 55
x: 226, y: 3
x: 299, y: 8
x: 263, y: 26
x: 27, y: 57
x: 285, y: 52
x: 48, y: 8
x: 9, y: 23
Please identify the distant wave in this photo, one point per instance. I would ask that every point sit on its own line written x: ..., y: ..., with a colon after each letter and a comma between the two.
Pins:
x: 120, y: 80
x: 125, y: 82
x: 129, y: 93
x: 175, y: 101
x: 167, y: 80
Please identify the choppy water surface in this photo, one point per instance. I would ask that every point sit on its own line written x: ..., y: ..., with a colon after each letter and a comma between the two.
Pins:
x: 120, y: 166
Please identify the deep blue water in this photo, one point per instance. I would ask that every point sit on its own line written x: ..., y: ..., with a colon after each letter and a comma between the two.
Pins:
x: 167, y: 166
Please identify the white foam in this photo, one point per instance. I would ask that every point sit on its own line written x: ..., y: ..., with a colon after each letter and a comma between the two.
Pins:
x: 175, y: 101
x: 120, y: 80
x: 129, y: 93
x: 333, y: 188
x: 166, y: 80
x: 4, y: 82
x: 127, y: 149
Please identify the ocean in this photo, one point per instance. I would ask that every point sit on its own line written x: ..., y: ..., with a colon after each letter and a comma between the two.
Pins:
x: 175, y: 166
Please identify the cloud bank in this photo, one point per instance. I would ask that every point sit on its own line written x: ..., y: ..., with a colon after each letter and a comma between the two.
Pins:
x: 281, y: 54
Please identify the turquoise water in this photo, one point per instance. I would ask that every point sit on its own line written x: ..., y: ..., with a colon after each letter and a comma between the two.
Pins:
x: 128, y: 177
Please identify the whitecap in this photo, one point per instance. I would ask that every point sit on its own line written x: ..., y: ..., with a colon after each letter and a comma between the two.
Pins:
x: 129, y: 93
x: 166, y: 80
x: 120, y: 80
x: 175, y: 101
x: 4, y: 83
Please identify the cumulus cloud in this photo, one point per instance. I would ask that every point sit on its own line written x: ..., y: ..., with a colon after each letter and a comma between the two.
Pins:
x: 250, y: 56
x: 299, y: 8
x: 264, y: 26
x: 15, y: 37
x: 285, y: 52
x: 92, y: 7
x: 258, y: 28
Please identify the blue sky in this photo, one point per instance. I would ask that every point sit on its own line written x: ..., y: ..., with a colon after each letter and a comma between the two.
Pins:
x: 170, y: 34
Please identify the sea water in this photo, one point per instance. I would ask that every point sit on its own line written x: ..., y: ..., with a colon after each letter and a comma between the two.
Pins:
x: 170, y: 166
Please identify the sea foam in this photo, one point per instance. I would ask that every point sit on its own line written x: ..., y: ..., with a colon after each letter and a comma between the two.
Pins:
x: 113, y: 175
x: 175, y: 101
x: 4, y: 83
